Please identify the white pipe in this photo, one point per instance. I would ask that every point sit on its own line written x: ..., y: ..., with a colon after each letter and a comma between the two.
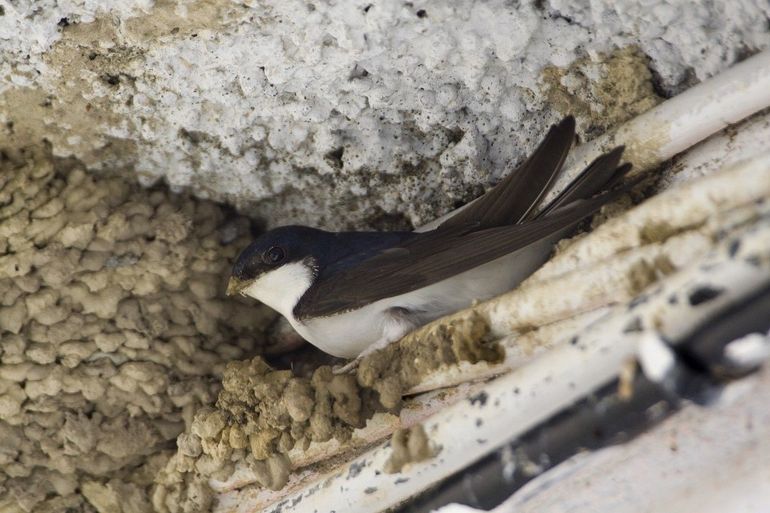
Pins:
x: 703, y: 110
x: 683, y: 121
x: 727, y: 473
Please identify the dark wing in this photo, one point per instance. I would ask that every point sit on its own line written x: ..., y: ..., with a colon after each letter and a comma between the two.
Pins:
x: 521, y: 191
x: 434, y: 256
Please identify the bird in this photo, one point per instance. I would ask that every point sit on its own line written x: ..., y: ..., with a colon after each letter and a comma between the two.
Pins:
x: 350, y: 293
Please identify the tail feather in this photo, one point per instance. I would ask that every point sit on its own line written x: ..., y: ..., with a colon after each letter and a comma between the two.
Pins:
x: 602, y: 174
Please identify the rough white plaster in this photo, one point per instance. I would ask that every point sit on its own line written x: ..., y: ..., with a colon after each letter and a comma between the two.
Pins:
x: 251, y: 103
x: 28, y: 29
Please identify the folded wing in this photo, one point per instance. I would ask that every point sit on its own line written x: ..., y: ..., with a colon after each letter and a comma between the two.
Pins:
x: 434, y: 256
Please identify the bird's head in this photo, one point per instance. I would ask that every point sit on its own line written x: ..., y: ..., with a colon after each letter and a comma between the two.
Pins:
x: 278, y: 267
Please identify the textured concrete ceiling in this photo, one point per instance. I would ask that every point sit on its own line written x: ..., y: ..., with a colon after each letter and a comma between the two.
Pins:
x: 343, y: 113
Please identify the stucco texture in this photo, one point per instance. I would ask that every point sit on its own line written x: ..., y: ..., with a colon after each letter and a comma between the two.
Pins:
x: 343, y: 114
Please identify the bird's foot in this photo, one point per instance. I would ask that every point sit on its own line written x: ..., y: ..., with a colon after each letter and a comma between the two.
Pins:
x: 349, y: 367
x: 353, y: 364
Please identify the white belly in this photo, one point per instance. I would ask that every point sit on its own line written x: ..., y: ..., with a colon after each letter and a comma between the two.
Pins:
x: 348, y: 334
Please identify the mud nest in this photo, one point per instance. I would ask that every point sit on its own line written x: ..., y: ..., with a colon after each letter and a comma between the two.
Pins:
x: 113, y: 330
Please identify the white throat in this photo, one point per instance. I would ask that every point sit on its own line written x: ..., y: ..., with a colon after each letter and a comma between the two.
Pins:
x: 281, y: 288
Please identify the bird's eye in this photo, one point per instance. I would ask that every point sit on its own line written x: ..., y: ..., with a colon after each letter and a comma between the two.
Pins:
x: 274, y: 255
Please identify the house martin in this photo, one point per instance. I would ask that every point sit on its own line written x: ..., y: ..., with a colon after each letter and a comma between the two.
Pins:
x: 349, y: 293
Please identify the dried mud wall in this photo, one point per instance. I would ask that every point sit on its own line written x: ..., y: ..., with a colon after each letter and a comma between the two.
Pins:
x: 113, y: 331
